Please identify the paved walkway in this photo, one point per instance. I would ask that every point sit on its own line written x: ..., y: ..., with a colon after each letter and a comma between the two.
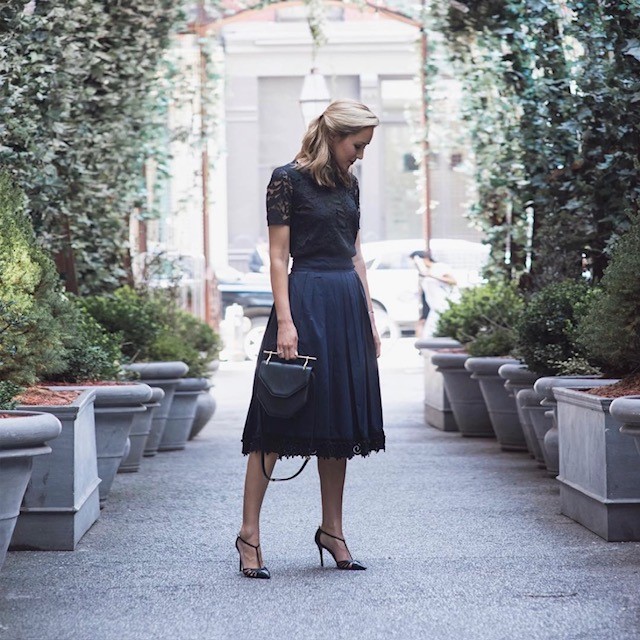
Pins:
x: 463, y: 542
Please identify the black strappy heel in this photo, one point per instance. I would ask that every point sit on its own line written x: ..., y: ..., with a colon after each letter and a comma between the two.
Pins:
x: 350, y: 565
x: 248, y: 572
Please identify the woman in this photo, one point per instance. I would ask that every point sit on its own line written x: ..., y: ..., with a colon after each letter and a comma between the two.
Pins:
x: 322, y: 309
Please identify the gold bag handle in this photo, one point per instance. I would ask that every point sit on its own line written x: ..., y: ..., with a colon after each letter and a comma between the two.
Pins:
x: 299, y: 357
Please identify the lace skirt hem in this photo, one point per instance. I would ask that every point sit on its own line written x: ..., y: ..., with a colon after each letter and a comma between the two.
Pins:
x: 288, y: 448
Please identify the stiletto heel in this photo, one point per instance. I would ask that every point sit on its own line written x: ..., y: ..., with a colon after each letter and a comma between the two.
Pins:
x: 351, y: 565
x: 249, y: 572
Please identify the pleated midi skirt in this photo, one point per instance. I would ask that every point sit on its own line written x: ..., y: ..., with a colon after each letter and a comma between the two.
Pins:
x: 343, y: 417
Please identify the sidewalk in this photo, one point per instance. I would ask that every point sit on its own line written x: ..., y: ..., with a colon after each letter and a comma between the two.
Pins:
x: 462, y: 541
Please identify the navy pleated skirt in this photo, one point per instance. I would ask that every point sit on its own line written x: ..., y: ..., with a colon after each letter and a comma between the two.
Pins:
x: 344, y: 415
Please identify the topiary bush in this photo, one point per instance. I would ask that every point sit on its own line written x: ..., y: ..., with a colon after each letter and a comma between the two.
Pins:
x: 546, y: 335
x: 610, y: 328
x: 91, y: 352
x: 137, y: 317
x: 484, y: 319
x: 31, y: 299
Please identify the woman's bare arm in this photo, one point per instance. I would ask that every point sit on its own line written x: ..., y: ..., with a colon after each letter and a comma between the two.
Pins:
x: 361, y: 270
x: 287, y: 340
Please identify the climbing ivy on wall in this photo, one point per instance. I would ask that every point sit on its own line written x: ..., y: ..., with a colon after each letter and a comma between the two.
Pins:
x: 80, y: 113
x: 552, y: 89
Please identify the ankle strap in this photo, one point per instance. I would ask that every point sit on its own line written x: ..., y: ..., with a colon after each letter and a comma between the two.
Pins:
x: 255, y: 546
x: 330, y: 535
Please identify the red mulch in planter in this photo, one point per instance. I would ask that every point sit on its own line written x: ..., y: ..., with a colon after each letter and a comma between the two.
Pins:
x: 39, y: 396
x: 90, y: 383
x: 629, y: 386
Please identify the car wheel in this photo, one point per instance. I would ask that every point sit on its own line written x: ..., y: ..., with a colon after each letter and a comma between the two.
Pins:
x: 253, y: 337
x: 387, y: 328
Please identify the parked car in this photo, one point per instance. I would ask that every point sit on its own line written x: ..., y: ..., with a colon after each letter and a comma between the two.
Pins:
x: 393, y: 277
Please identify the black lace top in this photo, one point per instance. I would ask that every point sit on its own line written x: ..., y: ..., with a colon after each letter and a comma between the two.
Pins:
x: 324, y: 221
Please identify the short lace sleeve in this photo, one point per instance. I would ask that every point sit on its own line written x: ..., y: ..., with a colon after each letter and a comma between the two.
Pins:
x: 279, y: 198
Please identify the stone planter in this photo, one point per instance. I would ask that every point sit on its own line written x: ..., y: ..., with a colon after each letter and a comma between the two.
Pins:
x: 205, y: 408
x: 182, y: 413
x: 534, y: 414
x: 115, y: 408
x: 518, y: 377
x: 500, y: 403
x: 24, y: 437
x: 627, y: 411
x: 464, y: 395
x: 164, y: 375
x: 599, y: 472
x: 62, y: 498
x: 437, y: 409
x: 544, y: 387
x: 140, y: 430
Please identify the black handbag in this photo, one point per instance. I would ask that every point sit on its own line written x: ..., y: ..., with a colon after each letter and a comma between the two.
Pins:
x: 283, y: 389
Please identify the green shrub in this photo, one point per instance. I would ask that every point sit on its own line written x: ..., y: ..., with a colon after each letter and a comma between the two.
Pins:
x: 610, y: 328
x: 137, y: 317
x: 484, y: 318
x: 31, y: 298
x: 546, y: 335
x: 150, y: 327
x: 91, y: 352
x: 8, y: 391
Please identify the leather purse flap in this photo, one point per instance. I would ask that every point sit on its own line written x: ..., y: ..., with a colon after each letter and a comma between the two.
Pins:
x: 284, y: 380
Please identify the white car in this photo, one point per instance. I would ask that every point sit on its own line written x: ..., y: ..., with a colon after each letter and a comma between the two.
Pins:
x: 393, y: 277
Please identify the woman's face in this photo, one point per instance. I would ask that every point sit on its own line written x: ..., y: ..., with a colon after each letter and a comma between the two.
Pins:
x: 350, y: 148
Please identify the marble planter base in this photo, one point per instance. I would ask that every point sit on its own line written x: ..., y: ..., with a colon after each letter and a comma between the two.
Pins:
x: 182, y: 414
x: 61, y: 502
x: 437, y: 408
x: 464, y: 395
x: 500, y: 403
x: 599, y: 472
x: 23, y: 438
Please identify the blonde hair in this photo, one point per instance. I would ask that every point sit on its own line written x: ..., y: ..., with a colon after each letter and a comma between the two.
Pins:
x: 340, y: 119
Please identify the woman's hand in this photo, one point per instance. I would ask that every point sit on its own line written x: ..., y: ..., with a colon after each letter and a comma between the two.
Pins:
x: 287, y: 340
x: 376, y: 336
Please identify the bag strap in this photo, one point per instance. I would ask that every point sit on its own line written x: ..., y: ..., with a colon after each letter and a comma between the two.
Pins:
x: 295, y: 475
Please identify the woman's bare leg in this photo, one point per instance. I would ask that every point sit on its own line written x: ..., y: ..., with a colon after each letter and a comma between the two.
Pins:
x: 332, y: 474
x: 255, y: 486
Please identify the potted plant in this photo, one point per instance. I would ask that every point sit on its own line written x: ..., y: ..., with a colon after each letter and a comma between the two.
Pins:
x: 483, y: 322
x: 139, y: 318
x: 193, y: 342
x: 599, y: 474
x: 92, y: 362
x: 546, y: 342
x: 32, y: 320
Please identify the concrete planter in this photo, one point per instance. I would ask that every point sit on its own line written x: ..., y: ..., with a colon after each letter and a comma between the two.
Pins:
x: 205, y: 408
x: 464, y: 395
x: 115, y: 408
x: 535, y: 415
x: 164, y: 375
x: 517, y: 377
x: 140, y: 430
x: 627, y: 411
x: 599, y: 472
x: 62, y: 501
x: 182, y: 414
x: 500, y: 403
x: 437, y: 409
x: 544, y: 387
x: 24, y: 436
